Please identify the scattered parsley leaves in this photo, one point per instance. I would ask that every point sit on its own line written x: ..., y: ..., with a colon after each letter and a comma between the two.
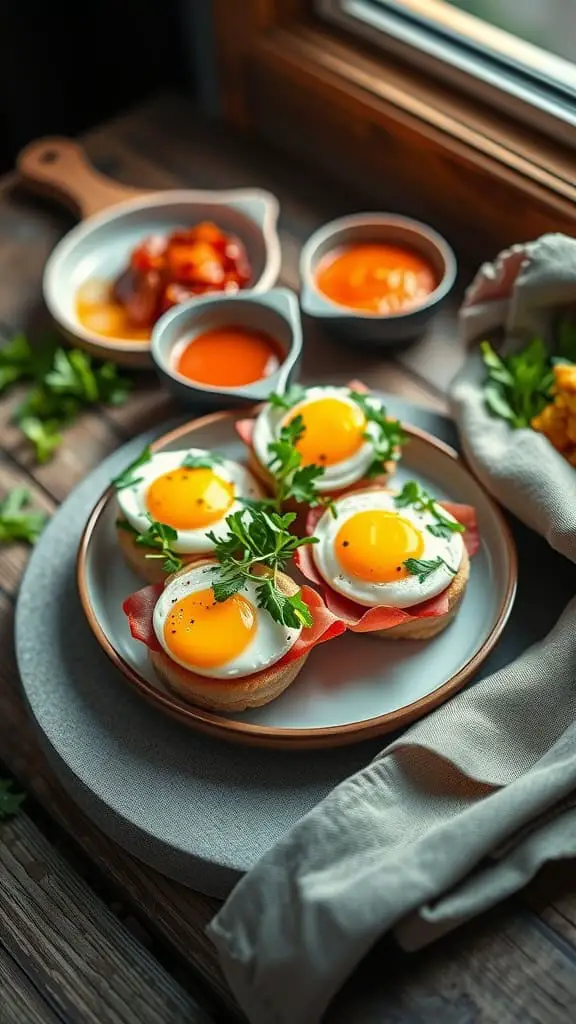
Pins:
x: 17, y: 521
x: 62, y: 383
x: 425, y: 567
x: 389, y: 437
x: 129, y: 476
x: 412, y: 494
x: 257, y: 546
x: 9, y: 801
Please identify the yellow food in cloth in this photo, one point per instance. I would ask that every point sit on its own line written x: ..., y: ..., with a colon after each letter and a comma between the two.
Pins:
x: 557, y: 421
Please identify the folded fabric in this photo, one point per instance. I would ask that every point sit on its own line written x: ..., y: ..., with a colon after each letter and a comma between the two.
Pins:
x: 470, y: 802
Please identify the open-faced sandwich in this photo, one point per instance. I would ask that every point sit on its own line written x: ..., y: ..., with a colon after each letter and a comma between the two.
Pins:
x: 174, y: 503
x: 392, y: 564
x: 232, y: 632
x: 313, y: 444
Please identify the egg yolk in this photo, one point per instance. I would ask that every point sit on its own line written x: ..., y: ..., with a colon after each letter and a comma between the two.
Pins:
x: 187, y: 499
x: 334, y: 431
x: 205, y: 633
x: 374, y: 545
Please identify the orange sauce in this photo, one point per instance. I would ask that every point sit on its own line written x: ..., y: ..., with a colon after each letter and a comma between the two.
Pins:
x: 98, y: 312
x: 376, y: 278
x: 229, y: 357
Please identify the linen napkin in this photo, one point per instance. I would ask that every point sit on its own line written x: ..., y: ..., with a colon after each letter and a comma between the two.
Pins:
x: 465, y: 807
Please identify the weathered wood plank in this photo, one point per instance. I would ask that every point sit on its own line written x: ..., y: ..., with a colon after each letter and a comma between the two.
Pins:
x: 83, y: 960
x: 171, y: 910
x: 500, y: 969
x: 20, y: 1002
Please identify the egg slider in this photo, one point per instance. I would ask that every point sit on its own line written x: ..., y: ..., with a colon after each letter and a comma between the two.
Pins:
x: 170, y: 501
x: 395, y: 565
x: 324, y: 440
x: 228, y: 634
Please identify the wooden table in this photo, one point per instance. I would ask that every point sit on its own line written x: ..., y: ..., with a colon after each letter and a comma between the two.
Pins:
x: 87, y: 933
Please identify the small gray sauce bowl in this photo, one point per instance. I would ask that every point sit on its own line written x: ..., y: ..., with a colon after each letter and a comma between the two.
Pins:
x: 276, y: 312
x: 373, y: 328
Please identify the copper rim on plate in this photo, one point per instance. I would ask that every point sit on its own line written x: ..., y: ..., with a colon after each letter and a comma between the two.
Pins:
x: 268, y: 736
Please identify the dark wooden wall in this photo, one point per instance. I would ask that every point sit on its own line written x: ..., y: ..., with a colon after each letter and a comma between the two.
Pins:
x: 65, y: 67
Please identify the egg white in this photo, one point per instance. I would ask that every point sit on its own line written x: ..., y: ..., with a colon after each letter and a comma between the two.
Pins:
x: 132, y: 500
x: 269, y: 644
x: 341, y: 474
x: 401, y: 593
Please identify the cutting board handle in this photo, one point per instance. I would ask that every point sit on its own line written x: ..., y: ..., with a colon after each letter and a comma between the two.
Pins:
x: 58, y: 167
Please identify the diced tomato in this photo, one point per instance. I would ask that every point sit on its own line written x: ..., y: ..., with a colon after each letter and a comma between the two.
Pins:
x: 166, y: 270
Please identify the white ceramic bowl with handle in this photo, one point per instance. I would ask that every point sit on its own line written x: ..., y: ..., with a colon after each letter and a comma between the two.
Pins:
x: 116, y: 218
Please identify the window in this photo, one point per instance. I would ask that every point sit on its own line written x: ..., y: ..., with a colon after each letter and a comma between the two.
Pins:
x: 512, y: 54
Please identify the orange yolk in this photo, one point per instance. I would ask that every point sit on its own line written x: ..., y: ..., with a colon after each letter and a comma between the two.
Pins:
x: 187, y: 499
x: 334, y: 431
x: 202, y: 632
x: 374, y: 545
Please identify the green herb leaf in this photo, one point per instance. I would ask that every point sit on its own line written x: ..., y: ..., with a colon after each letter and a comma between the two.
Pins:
x: 389, y: 437
x: 414, y: 495
x: 9, y: 801
x: 257, y: 540
x: 161, y: 536
x: 17, y: 521
x: 64, y: 381
x: 205, y: 461
x: 129, y: 476
x: 44, y: 435
x: 292, y: 480
x: 289, y: 399
x: 425, y: 567
x: 518, y: 386
x: 566, y: 347
x: 291, y: 611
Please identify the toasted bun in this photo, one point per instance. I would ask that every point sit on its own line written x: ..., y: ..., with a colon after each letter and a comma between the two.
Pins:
x: 229, y: 694
x: 426, y: 628
x: 149, y: 569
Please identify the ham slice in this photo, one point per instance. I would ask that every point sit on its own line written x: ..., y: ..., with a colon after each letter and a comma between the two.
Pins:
x: 366, y: 620
x: 139, y: 609
x: 245, y: 429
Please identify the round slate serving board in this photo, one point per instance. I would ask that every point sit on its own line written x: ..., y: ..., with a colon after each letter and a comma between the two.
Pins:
x: 195, y: 808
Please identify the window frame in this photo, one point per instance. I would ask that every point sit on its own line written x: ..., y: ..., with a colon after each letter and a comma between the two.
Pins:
x: 474, y: 56
x: 323, y: 94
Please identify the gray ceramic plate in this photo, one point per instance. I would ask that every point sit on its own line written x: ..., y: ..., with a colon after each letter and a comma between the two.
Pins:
x: 354, y: 687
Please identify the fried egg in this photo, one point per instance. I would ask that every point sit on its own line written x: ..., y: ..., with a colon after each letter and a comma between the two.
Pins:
x: 217, y: 639
x: 337, y: 435
x: 362, y: 552
x: 194, y: 501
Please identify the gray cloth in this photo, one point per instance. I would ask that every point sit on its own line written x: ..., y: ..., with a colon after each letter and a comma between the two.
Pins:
x: 470, y: 802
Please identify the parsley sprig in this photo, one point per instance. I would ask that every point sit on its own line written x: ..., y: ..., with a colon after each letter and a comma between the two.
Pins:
x: 130, y: 476
x: 17, y: 520
x: 157, y: 535
x: 388, y: 438
x: 413, y: 495
x: 289, y: 399
x: 425, y: 567
x: 518, y: 386
x: 257, y: 547
x: 62, y: 383
x: 9, y: 800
